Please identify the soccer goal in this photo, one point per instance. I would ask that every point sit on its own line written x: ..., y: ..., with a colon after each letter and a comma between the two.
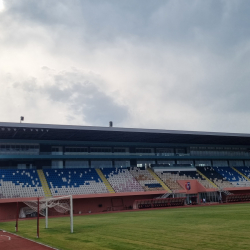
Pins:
x: 42, y: 206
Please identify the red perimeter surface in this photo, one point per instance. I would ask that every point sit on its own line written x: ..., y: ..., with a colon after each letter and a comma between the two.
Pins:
x: 10, y: 241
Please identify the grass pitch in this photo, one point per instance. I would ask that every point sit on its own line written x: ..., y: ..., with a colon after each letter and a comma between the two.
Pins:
x: 209, y: 227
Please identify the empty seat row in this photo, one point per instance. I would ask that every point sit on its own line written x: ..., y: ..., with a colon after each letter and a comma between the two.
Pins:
x: 74, y: 181
x: 16, y: 183
x: 121, y: 180
x: 145, y: 179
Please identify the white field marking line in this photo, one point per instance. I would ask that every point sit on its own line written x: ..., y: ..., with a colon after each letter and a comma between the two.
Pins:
x: 6, y: 236
x: 31, y: 240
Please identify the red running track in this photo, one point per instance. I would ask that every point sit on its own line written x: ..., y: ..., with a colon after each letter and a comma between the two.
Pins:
x: 10, y: 241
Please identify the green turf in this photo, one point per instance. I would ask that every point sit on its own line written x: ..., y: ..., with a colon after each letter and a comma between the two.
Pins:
x: 209, y: 227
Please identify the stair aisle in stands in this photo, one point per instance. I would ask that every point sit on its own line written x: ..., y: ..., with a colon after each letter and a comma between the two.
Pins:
x: 214, y: 185
x: 44, y: 183
x: 159, y: 180
x: 240, y: 173
x: 105, y: 181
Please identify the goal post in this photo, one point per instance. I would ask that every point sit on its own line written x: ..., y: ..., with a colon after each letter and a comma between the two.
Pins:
x: 71, y: 215
x: 61, y: 204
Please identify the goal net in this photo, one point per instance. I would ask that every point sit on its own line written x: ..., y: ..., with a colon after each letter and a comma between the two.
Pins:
x: 44, y: 206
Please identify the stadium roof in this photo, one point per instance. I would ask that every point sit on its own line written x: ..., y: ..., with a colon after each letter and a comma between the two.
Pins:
x: 28, y: 131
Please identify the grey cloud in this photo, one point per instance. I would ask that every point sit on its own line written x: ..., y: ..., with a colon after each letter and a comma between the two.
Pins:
x: 159, y: 39
x: 81, y: 93
x: 223, y: 89
x: 204, y: 22
x: 30, y: 85
x: 217, y: 26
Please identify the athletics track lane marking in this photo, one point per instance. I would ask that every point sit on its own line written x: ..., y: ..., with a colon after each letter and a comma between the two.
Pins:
x: 9, y: 241
x: 6, y: 236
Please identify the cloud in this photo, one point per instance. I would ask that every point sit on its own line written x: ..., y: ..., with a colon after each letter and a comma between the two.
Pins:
x: 82, y: 94
x: 152, y: 64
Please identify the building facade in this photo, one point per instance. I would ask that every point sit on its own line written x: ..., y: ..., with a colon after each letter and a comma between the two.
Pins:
x: 39, y: 146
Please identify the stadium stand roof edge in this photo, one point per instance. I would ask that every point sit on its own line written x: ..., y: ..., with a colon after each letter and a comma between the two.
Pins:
x: 99, y: 128
x: 31, y: 131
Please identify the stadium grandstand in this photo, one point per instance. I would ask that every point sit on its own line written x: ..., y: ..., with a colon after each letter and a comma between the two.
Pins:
x: 110, y: 168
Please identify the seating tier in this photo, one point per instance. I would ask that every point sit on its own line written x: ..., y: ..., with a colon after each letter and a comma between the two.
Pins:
x: 15, y: 183
x: 244, y: 170
x: 171, y: 178
x: 74, y: 181
x: 146, y: 180
x: 215, y: 177
x: 121, y: 180
x: 232, y: 176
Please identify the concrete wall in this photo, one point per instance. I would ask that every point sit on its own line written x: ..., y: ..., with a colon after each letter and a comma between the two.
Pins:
x: 81, y: 205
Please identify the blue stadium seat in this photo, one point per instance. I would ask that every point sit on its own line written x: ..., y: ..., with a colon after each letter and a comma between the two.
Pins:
x: 232, y: 176
x: 74, y: 181
x: 20, y: 183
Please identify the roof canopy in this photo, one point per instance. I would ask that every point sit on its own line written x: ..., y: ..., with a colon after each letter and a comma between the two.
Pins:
x: 26, y: 131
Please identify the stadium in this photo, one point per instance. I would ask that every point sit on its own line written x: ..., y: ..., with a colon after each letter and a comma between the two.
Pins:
x: 109, y: 170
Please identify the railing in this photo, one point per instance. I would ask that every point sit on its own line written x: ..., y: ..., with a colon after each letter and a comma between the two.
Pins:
x: 18, y: 153
x: 15, y: 167
x: 218, y: 153
x: 87, y: 153
x: 156, y: 155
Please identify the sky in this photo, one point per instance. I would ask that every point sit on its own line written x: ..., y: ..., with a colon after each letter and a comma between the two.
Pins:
x: 166, y: 64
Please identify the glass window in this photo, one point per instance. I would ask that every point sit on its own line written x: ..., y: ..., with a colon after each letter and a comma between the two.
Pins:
x: 100, y: 150
x: 143, y: 150
x: 101, y: 164
x: 119, y: 150
x: 123, y: 164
